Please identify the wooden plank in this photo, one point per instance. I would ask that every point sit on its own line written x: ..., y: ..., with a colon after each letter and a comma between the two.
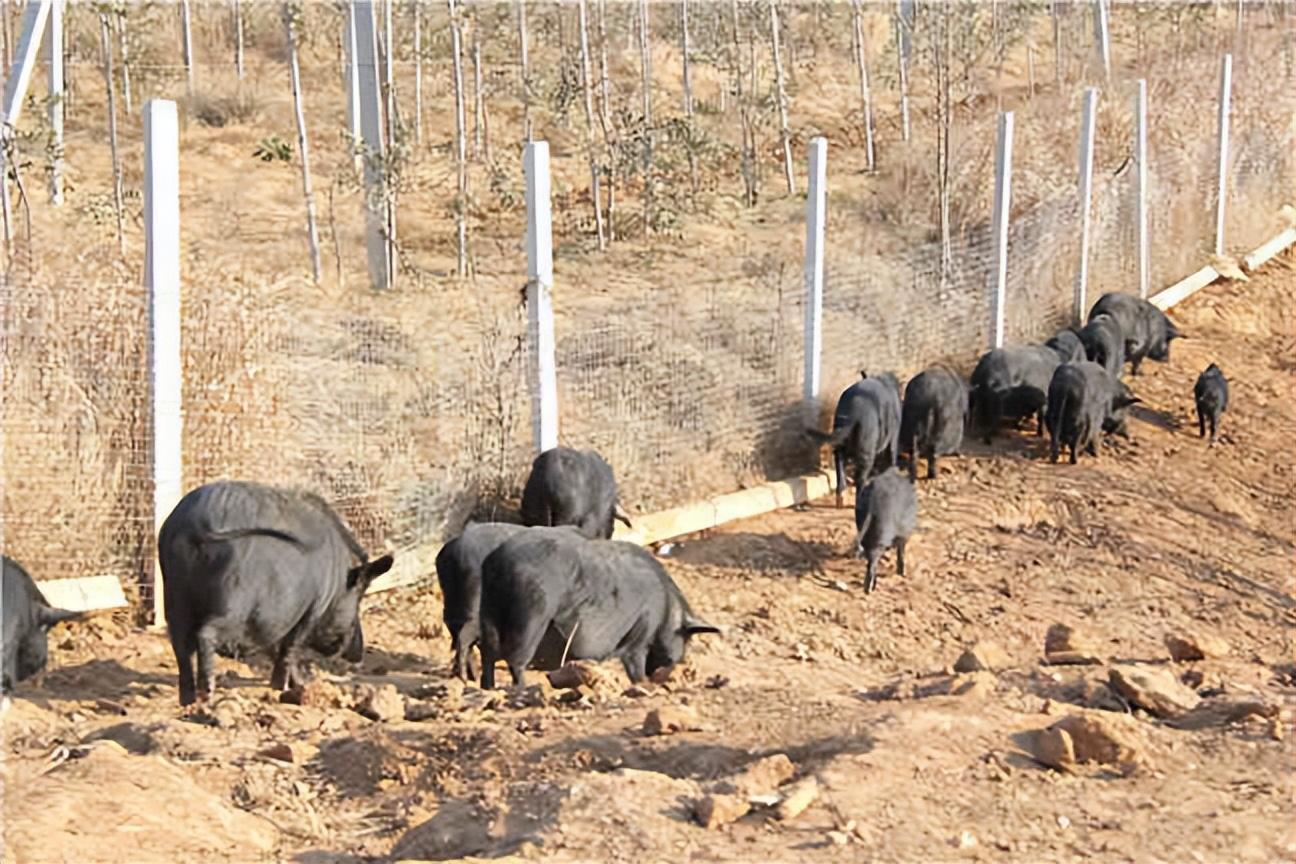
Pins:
x: 85, y: 594
x: 713, y: 512
x: 410, y: 567
x: 1185, y: 288
x: 1269, y: 250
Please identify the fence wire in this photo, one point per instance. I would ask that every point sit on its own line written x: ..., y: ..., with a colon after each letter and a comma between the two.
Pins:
x: 679, y: 349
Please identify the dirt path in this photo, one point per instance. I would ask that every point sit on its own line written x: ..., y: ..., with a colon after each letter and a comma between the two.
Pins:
x: 1161, y: 535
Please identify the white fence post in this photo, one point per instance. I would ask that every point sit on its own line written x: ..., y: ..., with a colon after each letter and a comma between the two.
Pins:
x: 162, y: 281
x: 1102, y: 35
x: 15, y: 90
x: 24, y: 64
x: 1226, y: 92
x: 1002, y: 197
x: 371, y: 132
x: 352, y: 84
x: 539, y: 295
x: 1090, y: 112
x: 1140, y: 156
x: 54, y: 31
x: 816, y: 215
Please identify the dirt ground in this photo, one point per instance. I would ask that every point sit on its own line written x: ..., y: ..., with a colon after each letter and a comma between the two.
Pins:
x: 1161, y: 535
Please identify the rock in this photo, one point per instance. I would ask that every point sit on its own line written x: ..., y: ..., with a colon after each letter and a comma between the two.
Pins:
x: 532, y: 696
x: 577, y: 674
x: 763, y: 775
x: 715, y: 810
x: 730, y: 799
x: 1156, y: 691
x: 107, y: 706
x: 983, y: 656
x: 975, y: 684
x: 671, y: 719
x: 1086, y: 738
x: 417, y: 712
x: 1063, y: 645
x: 838, y: 838
x: 381, y: 703
x: 1186, y: 647
x: 796, y: 798
x: 634, y: 691
x: 290, y: 752
x: 582, y: 697
x: 1053, y: 747
x: 317, y: 693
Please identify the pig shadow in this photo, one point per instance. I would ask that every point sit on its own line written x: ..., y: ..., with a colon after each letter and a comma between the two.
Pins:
x: 96, y: 679
x: 1153, y: 417
x: 783, y: 449
x: 403, y: 670
x: 698, y: 761
x: 759, y: 552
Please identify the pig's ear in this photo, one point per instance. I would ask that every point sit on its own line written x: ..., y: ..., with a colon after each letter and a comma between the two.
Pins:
x: 369, y: 571
x: 693, y: 626
x: 1124, y: 400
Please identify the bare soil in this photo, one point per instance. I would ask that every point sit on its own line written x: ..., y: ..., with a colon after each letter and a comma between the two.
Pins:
x: 1161, y: 535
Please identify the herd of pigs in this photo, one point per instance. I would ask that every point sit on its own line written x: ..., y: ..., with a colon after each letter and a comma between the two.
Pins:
x: 246, y: 565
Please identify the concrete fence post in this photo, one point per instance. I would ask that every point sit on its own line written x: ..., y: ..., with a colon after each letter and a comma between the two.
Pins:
x: 1221, y: 189
x: 816, y: 215
x: 1141, y: 165
x: 377, y: 223
x: 1089, y: 119
x: 162, y: 282
x: 1002, y: 198
x: 539, y: 296
x: 352, y: 83
x: 1102, y: 35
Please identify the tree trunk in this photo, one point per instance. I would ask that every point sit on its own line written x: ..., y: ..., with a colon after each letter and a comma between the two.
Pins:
x: 105, y: 45
x: 748, y: 139
x: 903, y: 64
x: 479, y: 95
x: 645, y: 55
x: 123, y: 40
x: 941, y: 51
x: 461, y: 149
x: 866, y: 98
x: 1057, y: 45
x: 587, y: 86
x: 694, y: 181
x: 684, y: 59
x: 418, y: 73
x: 781, y: 97
x: 238, y: 42
x: 303, y: 145
x: 526, y: 71
x: 610, y: 137
x: 186, y: 45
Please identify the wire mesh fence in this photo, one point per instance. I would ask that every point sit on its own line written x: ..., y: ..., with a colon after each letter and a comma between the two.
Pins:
x: 679, y: 348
